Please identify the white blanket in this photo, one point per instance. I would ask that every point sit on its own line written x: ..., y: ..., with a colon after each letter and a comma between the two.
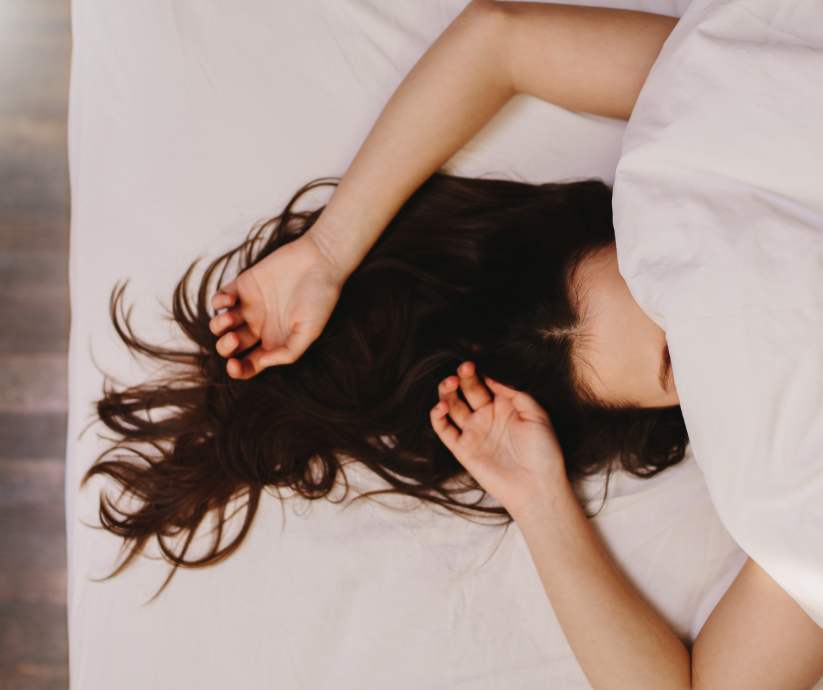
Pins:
x: 718, y: 203
x: 188, y: 122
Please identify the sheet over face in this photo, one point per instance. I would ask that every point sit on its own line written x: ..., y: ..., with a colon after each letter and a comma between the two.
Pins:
x: 718, y: 212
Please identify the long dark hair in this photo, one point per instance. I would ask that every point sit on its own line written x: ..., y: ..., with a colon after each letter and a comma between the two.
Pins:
x: 469, y: 268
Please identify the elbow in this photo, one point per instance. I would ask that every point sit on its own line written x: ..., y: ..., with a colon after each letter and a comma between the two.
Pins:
x: 491, y: 24
x: 488, y: 11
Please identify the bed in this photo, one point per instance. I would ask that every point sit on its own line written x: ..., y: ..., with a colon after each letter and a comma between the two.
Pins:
x: 188, y: 122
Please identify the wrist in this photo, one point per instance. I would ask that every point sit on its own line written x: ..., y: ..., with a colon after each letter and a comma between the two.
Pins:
x: 555, y: 497
x: 341, y: 267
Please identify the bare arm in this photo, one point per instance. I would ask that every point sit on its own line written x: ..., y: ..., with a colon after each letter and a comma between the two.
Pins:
x: 588, y: 59
x: 757, y: 637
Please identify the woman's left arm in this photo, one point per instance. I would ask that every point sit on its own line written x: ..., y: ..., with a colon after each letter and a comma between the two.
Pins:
x: 757, y: 637
x: 620, y: 642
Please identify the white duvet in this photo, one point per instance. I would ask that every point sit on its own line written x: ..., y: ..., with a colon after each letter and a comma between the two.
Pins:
x: 718, y: 202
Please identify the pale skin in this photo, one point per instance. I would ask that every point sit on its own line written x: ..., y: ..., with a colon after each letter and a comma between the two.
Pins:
x: 757, y: 637
x: 584, y: 59
x: 623, y: 357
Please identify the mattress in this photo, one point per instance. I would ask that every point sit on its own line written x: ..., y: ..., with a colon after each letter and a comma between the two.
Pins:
x: 188, y: 122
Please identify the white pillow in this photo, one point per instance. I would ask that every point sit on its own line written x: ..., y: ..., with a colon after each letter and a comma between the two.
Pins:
x: 718, y: 202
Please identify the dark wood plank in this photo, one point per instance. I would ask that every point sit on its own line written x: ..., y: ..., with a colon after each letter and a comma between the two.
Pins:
x: 39, y: 267
x: 33, y: 649
x: 28, y: 482
x: 32, y: 540
x: 33, y: 383
x: 42, y: 230
x: 35, y: 436
x: 35, y: 43
x: 33, y: 167
x: 36, y: 318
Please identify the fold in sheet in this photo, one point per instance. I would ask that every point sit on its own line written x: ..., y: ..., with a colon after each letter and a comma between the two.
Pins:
x: 718, y: 212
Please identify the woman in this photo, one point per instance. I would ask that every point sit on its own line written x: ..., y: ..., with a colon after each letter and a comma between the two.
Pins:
x: 607, y: 354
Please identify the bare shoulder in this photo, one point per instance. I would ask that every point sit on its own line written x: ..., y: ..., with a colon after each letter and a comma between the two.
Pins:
x: 589, y: 59
x: 757, y: 636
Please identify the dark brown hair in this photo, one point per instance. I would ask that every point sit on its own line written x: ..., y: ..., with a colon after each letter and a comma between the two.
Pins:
x: 469, y: 268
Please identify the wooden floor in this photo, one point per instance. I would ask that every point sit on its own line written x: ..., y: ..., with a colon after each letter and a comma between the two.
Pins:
x: 35, y: 45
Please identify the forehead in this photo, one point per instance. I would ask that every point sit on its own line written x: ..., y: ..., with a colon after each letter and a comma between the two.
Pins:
x: 614, y: 347
x: 593, y: 286
x: 591, y: 301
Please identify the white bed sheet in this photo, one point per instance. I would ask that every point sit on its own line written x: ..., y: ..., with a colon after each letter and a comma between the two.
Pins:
x: 718, y: 203
x: 189, y: 121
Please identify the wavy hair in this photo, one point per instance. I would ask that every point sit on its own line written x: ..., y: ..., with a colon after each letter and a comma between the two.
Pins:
x: 469, y: 268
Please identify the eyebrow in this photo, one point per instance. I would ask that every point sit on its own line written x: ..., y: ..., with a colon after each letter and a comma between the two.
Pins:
x: 665, y: 365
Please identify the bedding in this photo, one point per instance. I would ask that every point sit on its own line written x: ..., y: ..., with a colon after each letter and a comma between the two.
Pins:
x: 718, y: 213
x: 188, y: 122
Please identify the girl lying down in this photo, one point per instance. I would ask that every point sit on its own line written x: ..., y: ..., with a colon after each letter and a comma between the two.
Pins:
x: 450, y: 334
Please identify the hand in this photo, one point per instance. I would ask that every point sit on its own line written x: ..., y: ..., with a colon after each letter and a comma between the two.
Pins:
x: 502, y: 437
x: 285, y: 301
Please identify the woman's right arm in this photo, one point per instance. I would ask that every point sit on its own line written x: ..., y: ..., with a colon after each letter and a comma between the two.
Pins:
x: 588, y: 59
